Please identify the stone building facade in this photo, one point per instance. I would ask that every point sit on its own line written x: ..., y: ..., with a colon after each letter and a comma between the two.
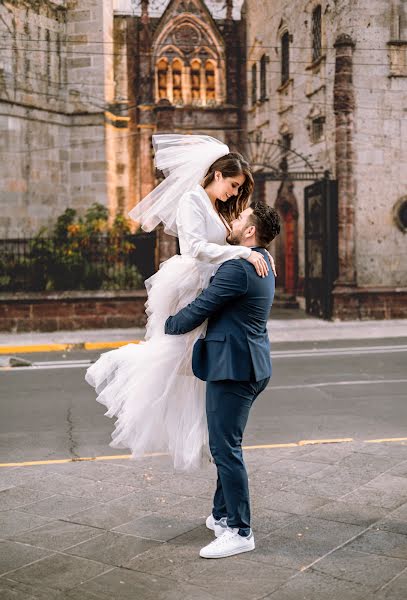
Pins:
x: 84, y: 85
x: 329, y: 79
x: 55, y: 80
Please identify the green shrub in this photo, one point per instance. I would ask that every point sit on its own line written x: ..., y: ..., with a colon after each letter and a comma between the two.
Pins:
x: 77, y: 254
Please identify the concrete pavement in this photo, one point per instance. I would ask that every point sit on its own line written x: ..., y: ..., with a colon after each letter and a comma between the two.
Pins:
x: 286, y: 325
x: 330, y: 521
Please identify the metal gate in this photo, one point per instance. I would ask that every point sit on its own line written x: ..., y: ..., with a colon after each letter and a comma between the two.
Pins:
x: 321, y: 246
x: 144, y: 254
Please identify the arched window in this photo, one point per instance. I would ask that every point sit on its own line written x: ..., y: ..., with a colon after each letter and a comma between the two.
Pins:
x: 162, y: 79
x: 316, y: 33
x: 177, y: 81
x: 195, y: 81
x: 285, y: 57
x: 254, y: 84
x: 263, y: 77
x: 210, y: 82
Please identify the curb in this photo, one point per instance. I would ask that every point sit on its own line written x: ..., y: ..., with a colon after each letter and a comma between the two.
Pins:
x: 299, y: 444
x: 61, y: 347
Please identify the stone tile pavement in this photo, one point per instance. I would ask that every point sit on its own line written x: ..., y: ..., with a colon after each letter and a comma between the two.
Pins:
x: 330, y: 522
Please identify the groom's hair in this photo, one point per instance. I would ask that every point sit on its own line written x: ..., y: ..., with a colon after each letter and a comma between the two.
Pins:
x: 267, y: 222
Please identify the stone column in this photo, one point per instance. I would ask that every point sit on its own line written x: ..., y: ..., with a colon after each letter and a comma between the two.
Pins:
x: 164, y: 117
x: 145, y: 123
x: 344, y: 105
x: 203, y: 84
x: 186, y: 84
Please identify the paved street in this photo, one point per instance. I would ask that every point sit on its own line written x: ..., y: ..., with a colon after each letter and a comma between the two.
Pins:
x: 318, y: 391
x: 330, y: 519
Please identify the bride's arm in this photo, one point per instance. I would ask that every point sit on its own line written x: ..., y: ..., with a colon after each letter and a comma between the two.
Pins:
x: 191, y: 221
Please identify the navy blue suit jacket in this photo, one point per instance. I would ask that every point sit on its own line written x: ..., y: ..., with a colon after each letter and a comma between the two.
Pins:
x: 237, y: 303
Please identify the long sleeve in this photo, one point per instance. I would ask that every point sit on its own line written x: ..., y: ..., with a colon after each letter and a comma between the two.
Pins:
x: 191, y: 226
x: 229, y: 283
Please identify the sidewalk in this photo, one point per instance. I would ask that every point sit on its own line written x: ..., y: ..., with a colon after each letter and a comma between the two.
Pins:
x: 286, y: 325
x: 330, y: 522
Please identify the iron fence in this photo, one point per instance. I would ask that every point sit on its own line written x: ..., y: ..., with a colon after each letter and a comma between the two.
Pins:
x: 96, y: 262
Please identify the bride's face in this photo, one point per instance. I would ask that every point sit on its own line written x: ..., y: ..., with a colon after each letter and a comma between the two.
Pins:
x: 226, y: 187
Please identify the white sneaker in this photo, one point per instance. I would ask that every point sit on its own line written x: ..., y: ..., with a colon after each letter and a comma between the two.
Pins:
x: 218, y: 527
x: 228, y: 544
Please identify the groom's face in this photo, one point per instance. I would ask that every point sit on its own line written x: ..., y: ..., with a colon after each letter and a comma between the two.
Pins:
x: 241, y: 228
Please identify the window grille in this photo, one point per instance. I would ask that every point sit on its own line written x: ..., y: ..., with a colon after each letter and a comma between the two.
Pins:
x: 317, y: 129
x: 285, y: 57
x: 195, y: 82
x: 177, y: 82
x: 162, y: 77
x: 285, y: 146
x: 263, y: 77
x: 254, y: 84
x: 210, y: 82
x: 316, y: 33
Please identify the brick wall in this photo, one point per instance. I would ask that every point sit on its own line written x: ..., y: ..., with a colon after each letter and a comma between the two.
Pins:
x: 71, y: 310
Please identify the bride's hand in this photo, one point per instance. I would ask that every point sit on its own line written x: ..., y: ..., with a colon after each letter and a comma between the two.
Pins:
x: 259, y: 263
x: 273, y: 264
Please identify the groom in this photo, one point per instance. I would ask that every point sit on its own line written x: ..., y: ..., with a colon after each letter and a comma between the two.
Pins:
x: 234, y: 360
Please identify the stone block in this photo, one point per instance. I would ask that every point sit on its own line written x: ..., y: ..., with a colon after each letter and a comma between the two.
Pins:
x: 80, y: 15
x: 59, y: 571
x: 79, y: 63
x: 318, y: 586
x: 57, y: 535
x: 112, y: 548
x: 19, y: 497
x: 157, y: 527
x: 381, y: 543
x: 76, y: 40
x: 14, y: 555
x: 14, y: 522
x: 58, y: 506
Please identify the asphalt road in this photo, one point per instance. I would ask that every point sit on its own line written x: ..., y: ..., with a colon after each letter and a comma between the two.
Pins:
x: 318, y: 391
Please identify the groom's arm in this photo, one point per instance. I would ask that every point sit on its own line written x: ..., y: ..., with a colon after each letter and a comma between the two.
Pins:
x: 229, y: 283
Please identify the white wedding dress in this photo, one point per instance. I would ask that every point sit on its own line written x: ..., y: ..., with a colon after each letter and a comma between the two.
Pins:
x: 149, y: 387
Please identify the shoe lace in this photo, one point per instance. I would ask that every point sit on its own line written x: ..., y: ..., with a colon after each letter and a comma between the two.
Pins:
x: 225, y: 537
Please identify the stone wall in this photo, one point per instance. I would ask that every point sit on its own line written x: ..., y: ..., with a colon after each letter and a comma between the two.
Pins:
x: 55, y: 80
x: 77, y: 105
x: 375, y: 143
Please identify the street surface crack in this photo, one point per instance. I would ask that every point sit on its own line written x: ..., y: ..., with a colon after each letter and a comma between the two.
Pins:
x: 72, y: 444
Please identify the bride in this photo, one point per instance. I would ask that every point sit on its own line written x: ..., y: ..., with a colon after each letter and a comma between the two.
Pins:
x: 149, y: 387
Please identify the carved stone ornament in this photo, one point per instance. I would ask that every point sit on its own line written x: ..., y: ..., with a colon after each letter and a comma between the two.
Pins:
x: 186, y: 38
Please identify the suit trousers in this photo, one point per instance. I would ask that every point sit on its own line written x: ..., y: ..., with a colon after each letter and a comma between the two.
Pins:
x: 228, y: 404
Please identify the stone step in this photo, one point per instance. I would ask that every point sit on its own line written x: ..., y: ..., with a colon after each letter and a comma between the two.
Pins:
x: 283, y: 300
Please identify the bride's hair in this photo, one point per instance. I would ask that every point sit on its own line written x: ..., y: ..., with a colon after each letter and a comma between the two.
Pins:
x: 230, y: 165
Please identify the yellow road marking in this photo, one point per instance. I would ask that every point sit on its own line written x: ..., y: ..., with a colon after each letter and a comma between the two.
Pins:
x: 101, y: 345
x: 153, y: 454
x: 403, y: 439
x: 268, y: 446
x: 35, y: 348
x: 28, y: 348
x: 336, y: 441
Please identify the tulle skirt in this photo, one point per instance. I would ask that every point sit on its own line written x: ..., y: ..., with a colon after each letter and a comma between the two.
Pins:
x: 149, y: 387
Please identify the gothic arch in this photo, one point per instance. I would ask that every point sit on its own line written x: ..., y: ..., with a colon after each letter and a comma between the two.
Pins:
x: 192, y: 39
x: 287, y: 241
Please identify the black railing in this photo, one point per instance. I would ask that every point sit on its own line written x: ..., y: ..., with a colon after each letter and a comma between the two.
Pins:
x: 96, y: 262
